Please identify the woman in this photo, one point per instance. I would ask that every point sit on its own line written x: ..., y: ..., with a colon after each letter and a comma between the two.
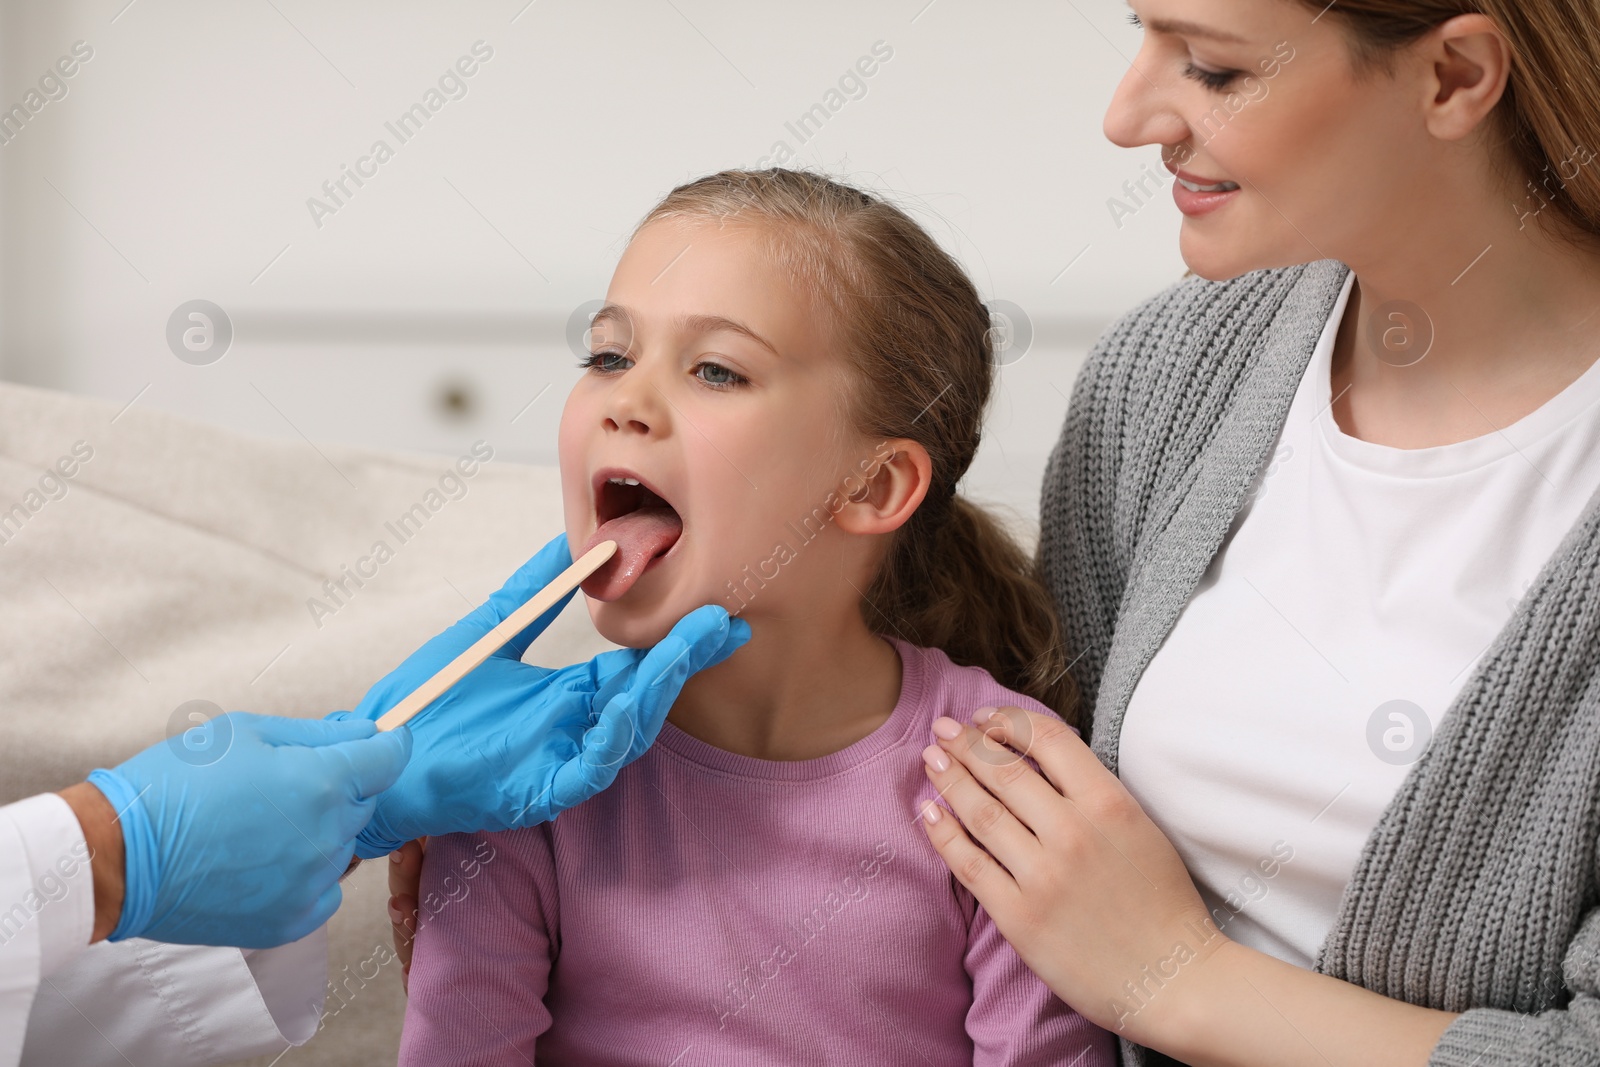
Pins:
x: 1323, y: 542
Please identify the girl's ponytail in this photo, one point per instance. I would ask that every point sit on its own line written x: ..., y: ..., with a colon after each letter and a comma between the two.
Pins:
x: 958, y: 581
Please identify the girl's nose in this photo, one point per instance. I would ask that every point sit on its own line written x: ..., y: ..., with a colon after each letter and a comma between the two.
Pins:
x: 634, y: 403
x: 1141, y: 111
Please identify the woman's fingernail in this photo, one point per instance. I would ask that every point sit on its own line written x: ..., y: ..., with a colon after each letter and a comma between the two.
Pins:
x: 394, y: 912
x: 947, y: 728
x: 930, y: 813
x: 394, y: 857
x: 983, y: 714
x: 934, y: 756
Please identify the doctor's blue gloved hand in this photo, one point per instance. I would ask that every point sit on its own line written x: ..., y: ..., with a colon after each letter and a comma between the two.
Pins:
x: 236, y: 832
x: 512, y: 744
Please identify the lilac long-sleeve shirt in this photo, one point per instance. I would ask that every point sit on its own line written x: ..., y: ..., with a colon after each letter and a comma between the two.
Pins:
x: 714, y: 909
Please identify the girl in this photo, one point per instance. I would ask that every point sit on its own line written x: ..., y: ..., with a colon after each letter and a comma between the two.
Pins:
x: 787, y: 382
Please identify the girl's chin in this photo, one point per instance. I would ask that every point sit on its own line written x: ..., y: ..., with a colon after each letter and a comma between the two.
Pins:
x: 631, y: 627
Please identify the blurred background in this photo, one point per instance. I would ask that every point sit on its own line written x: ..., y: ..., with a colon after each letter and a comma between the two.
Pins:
x: 422, y: 295
x: 349, y: 226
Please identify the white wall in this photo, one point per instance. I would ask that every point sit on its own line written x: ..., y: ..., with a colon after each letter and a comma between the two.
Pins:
x: 179, y: 164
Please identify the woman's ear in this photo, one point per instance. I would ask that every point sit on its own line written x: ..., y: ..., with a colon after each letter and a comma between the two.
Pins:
x: 886, y: 489
x: 1470, y: 63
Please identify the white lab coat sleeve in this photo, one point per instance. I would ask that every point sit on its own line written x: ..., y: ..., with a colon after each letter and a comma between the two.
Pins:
x: 139, y: 1002
x: 152, y: 1005
x: 46, y: 905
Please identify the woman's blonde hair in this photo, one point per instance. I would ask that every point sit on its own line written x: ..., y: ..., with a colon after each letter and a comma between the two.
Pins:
x: 919, y: 347
x: 1548, y: 113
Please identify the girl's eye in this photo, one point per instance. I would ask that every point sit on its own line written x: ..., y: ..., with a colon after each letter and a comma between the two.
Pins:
x: 722, y: 377
x: 596, y: 361
x: 1133, y: 19
x: 1216, y: 80
x: 717, y: 376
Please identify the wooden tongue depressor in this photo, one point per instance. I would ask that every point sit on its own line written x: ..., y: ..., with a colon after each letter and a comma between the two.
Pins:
x: 491, y: 642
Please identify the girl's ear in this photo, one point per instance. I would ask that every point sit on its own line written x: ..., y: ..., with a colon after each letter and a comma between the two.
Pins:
x: 882, y: 495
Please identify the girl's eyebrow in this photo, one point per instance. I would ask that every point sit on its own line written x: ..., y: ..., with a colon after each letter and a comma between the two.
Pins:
x: 612, y: 313
x: 714, y: 323
x: 689, y: 323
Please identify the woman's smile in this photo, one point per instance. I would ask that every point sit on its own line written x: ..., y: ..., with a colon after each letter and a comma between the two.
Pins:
x: 1200, y: 196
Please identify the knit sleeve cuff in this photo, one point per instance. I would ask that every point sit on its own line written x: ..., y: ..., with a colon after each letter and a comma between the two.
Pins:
x: 1487, y: 1037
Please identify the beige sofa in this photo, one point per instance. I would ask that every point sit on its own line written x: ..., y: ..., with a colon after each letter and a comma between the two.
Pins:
x: 182, y: 562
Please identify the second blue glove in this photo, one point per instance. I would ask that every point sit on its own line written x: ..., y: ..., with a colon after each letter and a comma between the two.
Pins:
x: 513, y: 744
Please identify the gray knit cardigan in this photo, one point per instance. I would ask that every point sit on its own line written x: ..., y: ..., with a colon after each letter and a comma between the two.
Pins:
x: 1477, y: 890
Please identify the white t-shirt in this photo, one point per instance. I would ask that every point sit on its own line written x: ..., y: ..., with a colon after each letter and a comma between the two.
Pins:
x: 1349, y: 603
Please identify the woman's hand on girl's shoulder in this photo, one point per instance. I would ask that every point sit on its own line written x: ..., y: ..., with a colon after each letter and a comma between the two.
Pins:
x: 1076, y: 876
x: 405, y: 888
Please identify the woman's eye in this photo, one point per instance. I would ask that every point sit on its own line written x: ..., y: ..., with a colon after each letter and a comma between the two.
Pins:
x: 1133, y: 19
x: 597, y: 361
x: 1211, y: 79
x: 720, y: 376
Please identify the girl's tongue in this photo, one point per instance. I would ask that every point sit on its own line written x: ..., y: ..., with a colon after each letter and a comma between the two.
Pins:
x: 641, y: 536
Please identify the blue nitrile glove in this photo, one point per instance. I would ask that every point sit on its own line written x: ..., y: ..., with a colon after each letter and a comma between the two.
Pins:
x: 511, y: 744
x: 236, y: 832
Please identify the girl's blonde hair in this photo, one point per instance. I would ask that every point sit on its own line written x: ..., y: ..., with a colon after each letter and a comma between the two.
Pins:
x: 919, y: 346
x: 1548, y: 111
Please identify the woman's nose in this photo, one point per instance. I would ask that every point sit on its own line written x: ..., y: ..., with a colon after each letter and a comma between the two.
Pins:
x: 1140, y: 112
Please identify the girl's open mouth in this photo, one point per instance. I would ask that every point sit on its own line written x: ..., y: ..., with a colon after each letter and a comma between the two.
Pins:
x: 642, y: 523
